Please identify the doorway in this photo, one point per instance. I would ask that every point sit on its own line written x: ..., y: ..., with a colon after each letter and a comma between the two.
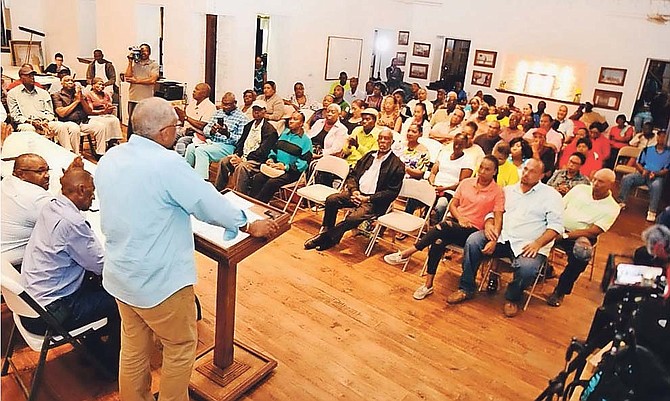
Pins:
x: 454, y: 64
x: 653, y: 104
x: 261, y: 52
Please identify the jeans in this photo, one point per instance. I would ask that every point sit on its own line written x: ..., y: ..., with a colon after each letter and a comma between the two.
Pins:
x: 634, y: 180
x: 334, y: 232
x: 263, y: 187
x: 641, y: 118
x: 525, y: 269
x: 443, y: 234
x: 573, y: 269
x: 199, y: 156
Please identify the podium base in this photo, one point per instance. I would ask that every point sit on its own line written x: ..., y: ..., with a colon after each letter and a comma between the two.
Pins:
x: 212, y: 383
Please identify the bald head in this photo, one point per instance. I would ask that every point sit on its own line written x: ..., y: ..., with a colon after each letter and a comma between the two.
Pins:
x: 201, y: 92
x: 77, y: 185
x: 32, y: 168
x: 151, y: 116
x: 602, y: 183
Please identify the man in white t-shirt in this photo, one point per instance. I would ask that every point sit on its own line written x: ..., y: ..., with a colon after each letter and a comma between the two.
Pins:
x: 554, y: 138
x: 103, y: 69
x: 196, y: 115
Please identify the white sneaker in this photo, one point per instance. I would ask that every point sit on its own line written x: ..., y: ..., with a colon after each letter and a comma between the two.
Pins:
x: 395, y: 259
x: 422, y: 292
x: 651, y: 216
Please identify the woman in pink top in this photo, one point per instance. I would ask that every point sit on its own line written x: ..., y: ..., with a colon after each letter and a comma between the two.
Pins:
x: 619, y: 134
x: 473, y: 200
x: 101, y: 112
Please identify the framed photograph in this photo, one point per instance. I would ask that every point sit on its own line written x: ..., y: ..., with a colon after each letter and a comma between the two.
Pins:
x: 607, y: 99
x: 421, y: 49
x: 401, y: 57
x: 612, y: 76
x: 485, y: 58
x: 24, y: 51
x: 419, y: 71
x: 403, y: 38
x: 481, y: 78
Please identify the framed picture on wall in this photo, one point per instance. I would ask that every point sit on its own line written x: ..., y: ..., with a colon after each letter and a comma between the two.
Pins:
x: 612, y: 76
x: 485, y: 58
x: 481, y: 78
x: 401, y: 57
x: 607, y: 99
x: 24, y: 51
x: 421, y: 49
x: 419, y: 71
x: 403, y: 38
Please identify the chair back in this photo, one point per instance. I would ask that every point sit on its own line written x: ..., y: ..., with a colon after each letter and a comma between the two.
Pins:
x: 420, y: 190
x: 433, y: 146
x: 333, y: 165
x: 629, y: 151
x: 12, y: 290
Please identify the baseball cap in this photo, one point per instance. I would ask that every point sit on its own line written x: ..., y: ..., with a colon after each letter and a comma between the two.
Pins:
x: 26, y: 70
x: 370, y: 111
x: 260, y: 104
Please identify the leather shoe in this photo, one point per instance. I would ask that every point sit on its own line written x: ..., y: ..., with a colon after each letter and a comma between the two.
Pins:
x: 325, y: 244
x: 555, y: 299
x: 510, y: 309
x: 313, y: 242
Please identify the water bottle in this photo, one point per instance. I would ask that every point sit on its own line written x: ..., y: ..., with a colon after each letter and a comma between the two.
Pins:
x: 180, y: 147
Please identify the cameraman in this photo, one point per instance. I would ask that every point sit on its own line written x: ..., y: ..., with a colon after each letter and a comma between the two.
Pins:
x: 142, y: 73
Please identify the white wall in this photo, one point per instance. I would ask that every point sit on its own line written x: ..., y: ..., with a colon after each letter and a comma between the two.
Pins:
x: 594, y: 33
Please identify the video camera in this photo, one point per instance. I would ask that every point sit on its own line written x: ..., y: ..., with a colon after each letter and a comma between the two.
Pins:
x: 135, y: 53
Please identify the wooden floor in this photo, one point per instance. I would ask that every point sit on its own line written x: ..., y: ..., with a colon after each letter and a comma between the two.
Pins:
x: 343, y: 326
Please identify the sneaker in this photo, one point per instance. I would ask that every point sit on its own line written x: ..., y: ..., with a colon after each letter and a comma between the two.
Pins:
x: 651, y: 216
x: 422, y: 292
x: 622, y: 205
x: 510, y: 309
x: 395, y: 259
x: 400, y: 236
x: 492, y: 286
x: 316, y: 208
x: 458, y: 296
x: 555, y: 299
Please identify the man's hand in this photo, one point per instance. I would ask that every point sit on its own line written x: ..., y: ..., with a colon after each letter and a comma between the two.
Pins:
x: 235, y: 160
x: 489, y: 248
x: 464, y: 222
x: 490, y: 230
x: 200, y: 136
x: 353, y: 142
x: 131, y: 80
x: 180, y: 113
x: 562, y: 189
x: 530, y: 250
x: 357, y: 198
x: 265, y: 228
x: 77, y: 94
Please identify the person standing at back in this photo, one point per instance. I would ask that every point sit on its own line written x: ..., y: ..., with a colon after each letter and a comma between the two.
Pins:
x: 142, y: 74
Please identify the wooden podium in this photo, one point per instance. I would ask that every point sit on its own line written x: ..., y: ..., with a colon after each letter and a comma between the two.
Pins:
x: 230, y: 368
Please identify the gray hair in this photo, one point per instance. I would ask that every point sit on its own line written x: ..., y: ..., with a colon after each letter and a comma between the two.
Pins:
x: 152, y: 115
x: 657, y: 240
x: 336, y: 107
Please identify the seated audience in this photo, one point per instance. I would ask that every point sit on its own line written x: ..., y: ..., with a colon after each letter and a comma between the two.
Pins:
x: 298, y: 99
x: 338, y: 99
x: 474, y: 199
x: 537, y: 115
x: 571, y: 147
x: 363, y: 139
x: 197, y: 114
x: 101, y: 112
x: 354, y: 92
x: 103, y: 69
x: 413, y: 154
x: 520, y: 153
x: 248, y: 97
x: 328, y: 135
x: 543, y: 152
x: 652, y: 166
x: 405, y: 112
x: 588, y: 211
x: 569, y: 176
x: 440, y: 99
x: 513, y: 131
x: 389, y: 116
x: 488, y: 141
x: 472, y: 109
x: 642, y: 255
x: 63, y: 264
x: 554, y: 138
x: 320, y: 113
x: 57, y: 66
x: 369, y: 189
x: 24, y: 193
x: 461, y: 95
x: 419, y: 116
x: 450, y: 168
x: 507, y: 171
x: 422, y: 97
x: 342, y: 81
x: 355, y: 119
x: 510, y: 104
x: 480, y: 119
x: 589, y: 116
x: 528, y: 117
x: 619, y: 135
x: 645, y: 138
x: 291, y: 154
x: 223, y: 131
x: 533, y: 218
x: 591, y: 163
x: 601, y: 145
x: 565, y: 125
x: 471, y: 149
x: 275, y: 105
x: 445, y: 132
x: 31, y: 109
x: 375, y: 99
x: 253, y: 148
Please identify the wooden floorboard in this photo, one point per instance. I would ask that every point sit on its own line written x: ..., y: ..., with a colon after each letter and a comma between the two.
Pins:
x: 343, y: 326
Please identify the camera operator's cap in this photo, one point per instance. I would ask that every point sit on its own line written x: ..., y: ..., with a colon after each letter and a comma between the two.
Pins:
x: 260, y: 104
x: 370, y: 111
x: 26, y: 70
x: 583, y: 250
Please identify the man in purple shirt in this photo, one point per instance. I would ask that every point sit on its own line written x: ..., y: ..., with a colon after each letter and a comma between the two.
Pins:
x: 63, y: 262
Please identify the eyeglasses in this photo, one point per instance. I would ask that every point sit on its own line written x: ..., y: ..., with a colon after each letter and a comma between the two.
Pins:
x: 38, y: 171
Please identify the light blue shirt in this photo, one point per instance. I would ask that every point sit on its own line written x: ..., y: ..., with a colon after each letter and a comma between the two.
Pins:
x: 528, y: 215
x: 147, y: 194
x: 61, y: 247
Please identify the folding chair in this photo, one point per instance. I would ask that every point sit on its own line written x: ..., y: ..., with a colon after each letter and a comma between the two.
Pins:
x: 540, y: 277
x: 317, y: 193
x: 22, y: 304
x: 291, y: 188
x: 626, y: 153
x: 403, y: 222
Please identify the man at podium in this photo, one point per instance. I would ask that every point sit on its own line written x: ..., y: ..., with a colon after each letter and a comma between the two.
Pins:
x: 147, y: 194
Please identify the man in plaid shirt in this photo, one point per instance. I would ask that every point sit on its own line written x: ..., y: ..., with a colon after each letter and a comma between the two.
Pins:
x: 221, y: 134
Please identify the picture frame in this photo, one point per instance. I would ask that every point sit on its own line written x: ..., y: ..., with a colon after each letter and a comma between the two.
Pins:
x: 485, y: 58
x: 481, y: 78
x: 402, y: 58
x: 20, y: 50
x: 403, y: 38
x: 421, y: 49
x: 612, y: 76
x: 607, y: 99
x: 418, y: 70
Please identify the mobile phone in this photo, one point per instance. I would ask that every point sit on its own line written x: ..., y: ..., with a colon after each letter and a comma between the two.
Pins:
x: 271, y: 214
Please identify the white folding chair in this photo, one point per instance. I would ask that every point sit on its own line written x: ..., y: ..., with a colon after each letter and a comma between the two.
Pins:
x: 317, y: 193
x: 626, y: 153
x: 22, y: 304
x: 403, y: 222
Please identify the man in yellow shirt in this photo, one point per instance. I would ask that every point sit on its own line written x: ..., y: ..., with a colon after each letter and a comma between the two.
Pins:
x: 508, y: 174
x: 362, y: 139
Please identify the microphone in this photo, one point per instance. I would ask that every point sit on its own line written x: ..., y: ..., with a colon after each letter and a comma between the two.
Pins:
x: 32, y: 31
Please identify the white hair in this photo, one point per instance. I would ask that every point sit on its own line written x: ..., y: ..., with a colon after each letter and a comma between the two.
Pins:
x: 152, y: 115
x: 336, y: 107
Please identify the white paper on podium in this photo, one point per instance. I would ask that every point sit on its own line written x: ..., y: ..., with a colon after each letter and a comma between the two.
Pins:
x: 214, y: 233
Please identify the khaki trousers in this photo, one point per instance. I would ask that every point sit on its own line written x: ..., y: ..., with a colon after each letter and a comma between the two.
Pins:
x: 173, y: 322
